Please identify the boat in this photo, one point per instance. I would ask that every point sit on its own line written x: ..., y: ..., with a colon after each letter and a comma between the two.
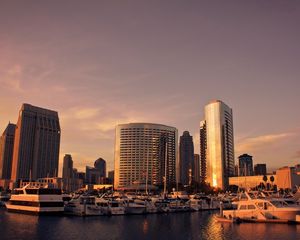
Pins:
x: 262, y: 210
x: 111, y: 206
x: 37, y: 200
x: 83, y: 205
x: 131, y: 207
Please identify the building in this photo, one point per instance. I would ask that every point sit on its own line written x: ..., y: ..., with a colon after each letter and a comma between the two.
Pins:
x: 54, y: 182
x: 36, y: 145
x: 70, y: 179
x: 219, y: 144
x: 197, y: 168
x: 111, y: 176
x: 245, y: 165
x: 145, y: 153
x: 186, y: 158
x: 6, y: 151
x: 96, y: 174
x: 260, y: 169
x: 247, y: 182
x: 203, y: 148
x: 287, y: 177
x: 67, y: 167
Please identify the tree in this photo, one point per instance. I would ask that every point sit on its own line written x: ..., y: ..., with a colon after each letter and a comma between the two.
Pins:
x: 265, y: 179
x: 272, y: 180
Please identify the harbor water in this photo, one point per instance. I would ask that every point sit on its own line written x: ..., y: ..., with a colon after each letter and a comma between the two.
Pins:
x: 189, y: 225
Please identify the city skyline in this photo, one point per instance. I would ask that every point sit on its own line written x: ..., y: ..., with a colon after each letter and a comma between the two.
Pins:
x: 108, y: 64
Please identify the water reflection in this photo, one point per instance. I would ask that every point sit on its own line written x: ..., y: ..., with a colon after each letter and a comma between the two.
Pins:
x: 198, y: 225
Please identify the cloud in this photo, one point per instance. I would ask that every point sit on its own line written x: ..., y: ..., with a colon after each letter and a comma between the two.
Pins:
x: 11, y: 78
x: 260, y: 142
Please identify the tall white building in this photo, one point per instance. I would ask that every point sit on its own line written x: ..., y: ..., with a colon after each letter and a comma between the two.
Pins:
x: 145, y: 152
x: 217, y: 143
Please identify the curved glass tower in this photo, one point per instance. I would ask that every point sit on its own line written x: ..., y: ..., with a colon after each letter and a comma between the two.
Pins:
x: 145, y: 152
x: 219, y: 144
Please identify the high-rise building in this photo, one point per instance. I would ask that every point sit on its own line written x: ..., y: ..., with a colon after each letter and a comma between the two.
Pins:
x: 260, y: 169
x: 245, y: 165
x: 6, y: 151
x: 111, y: 177
x: 36, y: 145
x: 186, y: 158
x: 96, y: 174
x: 197, y: 167
x: 145, y: 152
x: 203, y: 148
x: 67, y: 173
x: 67, y: 167
x: 219, y: 144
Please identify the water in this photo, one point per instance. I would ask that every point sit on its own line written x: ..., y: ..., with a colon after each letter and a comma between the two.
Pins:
x: 196, y: 225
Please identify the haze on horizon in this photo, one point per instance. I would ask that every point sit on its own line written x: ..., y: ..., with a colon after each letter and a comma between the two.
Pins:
x: 101, y: 63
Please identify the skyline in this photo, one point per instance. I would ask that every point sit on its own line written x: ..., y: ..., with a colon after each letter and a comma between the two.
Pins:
x: 105, y: 64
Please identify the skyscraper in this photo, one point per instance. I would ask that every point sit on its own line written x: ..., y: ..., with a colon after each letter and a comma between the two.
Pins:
x: 36, y: 145
x: 245, y: 165
x: 96, y: 174
x: 219, y: 147
x: 6, y: 151
x: 186, y: 158
x: 67, y: 173
x: 145, y: 152
x: 197, y: 168
x: 203, y: 147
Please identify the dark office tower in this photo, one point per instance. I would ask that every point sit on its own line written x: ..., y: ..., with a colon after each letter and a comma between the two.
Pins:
x: 186, y: 158
x: 68, y: 172
x: 6, y: 151
x: 245, y: 165
x: 36, y: 145
x: 260, y: 169
x: 203, y: 149
x: 197, y: 167
x: 96, y: 174
x: 100, y: 164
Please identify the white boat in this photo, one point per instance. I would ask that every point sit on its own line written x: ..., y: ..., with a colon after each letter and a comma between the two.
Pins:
x: 38, y: 200
x: 83, y: 206
x: 131, y: 207
x: 111, y: 206
x: 147, y: 204
x: 262, y: 210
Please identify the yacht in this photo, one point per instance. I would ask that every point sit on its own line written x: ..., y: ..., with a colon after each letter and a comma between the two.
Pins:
x: 262, y: 210
x: 38, y: 200
x: 83, y: 205
x: 111, y: 206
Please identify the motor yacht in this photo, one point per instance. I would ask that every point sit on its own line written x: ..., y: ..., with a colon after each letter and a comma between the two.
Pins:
x: 262, y: 209
x: 83, y: 205
x: 38, y: 200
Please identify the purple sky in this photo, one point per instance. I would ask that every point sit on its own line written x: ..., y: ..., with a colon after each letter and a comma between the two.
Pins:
x: 99, y: 63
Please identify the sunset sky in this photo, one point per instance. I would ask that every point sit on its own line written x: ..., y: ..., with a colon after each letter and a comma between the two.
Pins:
x: 100, y: 63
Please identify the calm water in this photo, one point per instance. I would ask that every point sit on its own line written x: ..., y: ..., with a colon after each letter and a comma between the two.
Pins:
x: 196, y: 225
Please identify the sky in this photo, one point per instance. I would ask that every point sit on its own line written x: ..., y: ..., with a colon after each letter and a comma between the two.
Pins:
x: 102, y: 63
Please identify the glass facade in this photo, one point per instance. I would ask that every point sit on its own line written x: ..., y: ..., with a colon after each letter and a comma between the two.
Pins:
x: 219, y: 144
x: 145, y: 152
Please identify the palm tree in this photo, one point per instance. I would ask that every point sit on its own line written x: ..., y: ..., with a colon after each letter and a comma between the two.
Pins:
x: 272, y: 180
x: 265, y: 179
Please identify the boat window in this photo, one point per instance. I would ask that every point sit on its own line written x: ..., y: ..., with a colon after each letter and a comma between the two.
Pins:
x: 243, y: 207
x: 278, y: 203
x: 260, y: 205
x: 251, y: 207
x: 49, y: 191
x: 31, y: 191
